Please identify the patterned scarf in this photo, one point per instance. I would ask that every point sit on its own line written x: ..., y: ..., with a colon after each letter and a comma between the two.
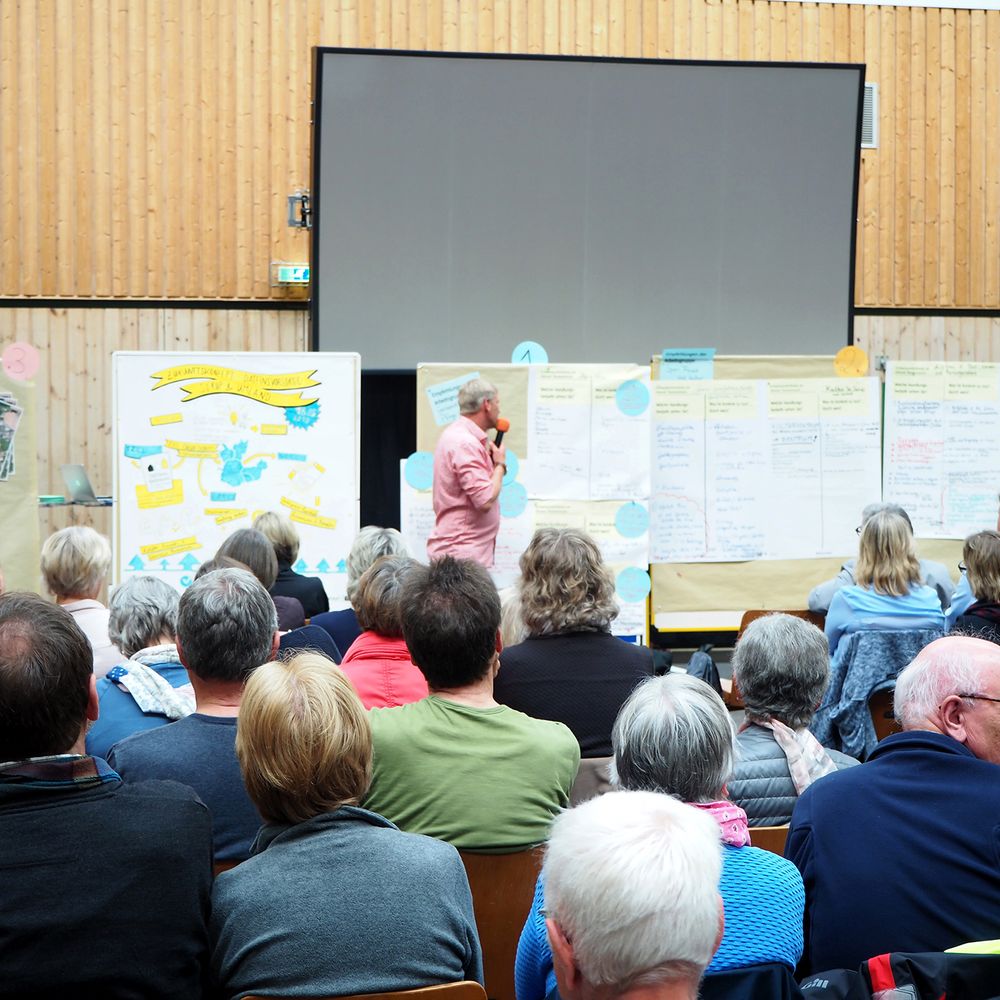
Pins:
x: 807, y: 758
x: 732, y: 821
x: 154, y: 695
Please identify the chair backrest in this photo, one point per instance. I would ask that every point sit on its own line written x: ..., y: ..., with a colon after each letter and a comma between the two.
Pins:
x: 592, y: 779
x: 880, y: 707
x: 223, y: 866
x: 465, y: 990
x: 503, y: 886
x: 770, y: 838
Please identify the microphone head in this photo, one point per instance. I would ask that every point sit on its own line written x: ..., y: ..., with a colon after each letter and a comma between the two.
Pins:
x: 503, y: 424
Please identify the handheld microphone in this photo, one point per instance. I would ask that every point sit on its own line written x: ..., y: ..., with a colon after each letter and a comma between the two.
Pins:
x: 503, y: 425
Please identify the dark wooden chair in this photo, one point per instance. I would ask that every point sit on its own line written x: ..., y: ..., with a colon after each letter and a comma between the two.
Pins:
x: 465, y: 990
x: 503, y: 886
x: 880, y: 705
x: 770, y: 838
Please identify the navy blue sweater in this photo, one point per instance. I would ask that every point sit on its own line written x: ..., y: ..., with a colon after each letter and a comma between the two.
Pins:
x: 899, y: 854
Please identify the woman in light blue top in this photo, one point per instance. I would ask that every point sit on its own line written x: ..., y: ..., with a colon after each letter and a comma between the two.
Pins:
x: 889, y: 593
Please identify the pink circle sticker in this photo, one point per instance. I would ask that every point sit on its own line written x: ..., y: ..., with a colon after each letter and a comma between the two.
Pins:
x: 20, y: 361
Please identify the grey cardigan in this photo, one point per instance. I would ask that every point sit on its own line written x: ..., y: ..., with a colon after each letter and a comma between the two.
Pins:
x: 761, y: 784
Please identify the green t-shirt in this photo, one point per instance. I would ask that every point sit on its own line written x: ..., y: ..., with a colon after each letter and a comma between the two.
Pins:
x: 480, y: 778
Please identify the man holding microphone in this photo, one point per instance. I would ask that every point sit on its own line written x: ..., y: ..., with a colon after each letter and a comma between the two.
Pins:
x: 468, y: 473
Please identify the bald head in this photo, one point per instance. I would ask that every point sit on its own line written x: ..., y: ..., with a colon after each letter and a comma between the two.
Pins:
x: 948, y: 689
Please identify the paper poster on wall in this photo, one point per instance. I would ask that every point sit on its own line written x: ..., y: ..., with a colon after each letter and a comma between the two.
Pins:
x: 942, y: 464
x: 205, y: 442
x: 727, y: 455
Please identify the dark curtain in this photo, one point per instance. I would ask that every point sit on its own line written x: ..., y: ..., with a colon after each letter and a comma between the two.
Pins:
x: 388, y: 433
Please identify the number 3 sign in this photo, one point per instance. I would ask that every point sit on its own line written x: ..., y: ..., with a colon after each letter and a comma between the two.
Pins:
x: 20, y: 361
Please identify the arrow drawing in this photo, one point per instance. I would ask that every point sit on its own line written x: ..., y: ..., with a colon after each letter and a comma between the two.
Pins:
x: 300, y: 566
x: 323, y: 566
x: 189, y: 562
x: 136, y: 563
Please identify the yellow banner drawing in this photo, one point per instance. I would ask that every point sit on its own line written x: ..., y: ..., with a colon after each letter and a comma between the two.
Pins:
x: 229, y: 515
x: 167, y: 418
x: 266, y: 389
x: 316, y: 520
x: 193, y: 449
x: 161, y: 550
x: 294, y: 505
x: 160, y: 498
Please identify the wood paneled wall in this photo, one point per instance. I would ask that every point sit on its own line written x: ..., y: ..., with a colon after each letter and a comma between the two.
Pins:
x: 146, y: 149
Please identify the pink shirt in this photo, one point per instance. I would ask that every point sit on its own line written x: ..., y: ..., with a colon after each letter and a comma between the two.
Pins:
x: 382, y: 673
x: 466, y: 527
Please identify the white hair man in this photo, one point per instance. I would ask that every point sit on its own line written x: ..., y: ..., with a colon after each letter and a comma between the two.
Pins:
x: 934, y: 574
x: 468, y: 474
x: 903, y: 853
x: 631, y: 897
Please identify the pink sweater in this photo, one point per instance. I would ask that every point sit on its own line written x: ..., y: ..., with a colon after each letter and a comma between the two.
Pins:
x: 382, y: 673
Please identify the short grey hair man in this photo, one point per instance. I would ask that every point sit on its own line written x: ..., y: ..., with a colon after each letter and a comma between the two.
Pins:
x: 226, y: 626
x: 474, y: 393
x: 631, y: 897
x: 781, y: 667
x: 371, y: 543
x: 143, y: 613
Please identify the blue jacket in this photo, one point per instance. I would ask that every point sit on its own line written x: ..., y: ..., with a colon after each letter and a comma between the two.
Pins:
x: 899, y: 854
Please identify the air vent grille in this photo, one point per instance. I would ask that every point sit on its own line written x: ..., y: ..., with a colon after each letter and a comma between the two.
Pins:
x: 869, y: 118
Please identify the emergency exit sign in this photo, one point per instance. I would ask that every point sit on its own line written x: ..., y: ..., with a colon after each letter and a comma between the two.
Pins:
x: 293, y: 274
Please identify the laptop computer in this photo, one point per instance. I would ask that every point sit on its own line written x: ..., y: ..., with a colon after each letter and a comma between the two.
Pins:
x: 78, y: 487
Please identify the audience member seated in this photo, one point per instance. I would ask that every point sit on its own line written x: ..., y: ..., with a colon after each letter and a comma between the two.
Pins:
x: 378, y: 663
x: 370, y: 544
x: 981, y: 557
x: 570, y: 668
x: 934, y: 574
x: 252, y: 548
x: 151, y: 688
x: 457, y: 765
x: 105, y: 885
x: 781, y: 668
x: 307, y: 590
x: 226, y: 628
x: 75, y: 563
x: 631, y: 899
x: 673, y: 736
x: 335, y: 899
x: 888, y: 594
x: 903, y: 853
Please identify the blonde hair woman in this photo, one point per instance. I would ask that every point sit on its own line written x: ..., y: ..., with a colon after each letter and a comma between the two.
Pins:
x: 75, y: 563
x: 569, y: 668
x: 284, y: 538
x: 334, y: 900
x: 889, y: 592
x: 981, y: 562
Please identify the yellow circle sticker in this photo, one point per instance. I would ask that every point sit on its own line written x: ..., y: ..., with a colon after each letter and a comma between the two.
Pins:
x: 850, y: 362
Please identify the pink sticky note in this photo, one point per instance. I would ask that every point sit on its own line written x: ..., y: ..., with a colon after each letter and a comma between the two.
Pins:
x: 20, y: 361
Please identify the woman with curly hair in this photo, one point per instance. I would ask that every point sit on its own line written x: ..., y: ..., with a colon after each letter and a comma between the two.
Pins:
x: 569, y: 668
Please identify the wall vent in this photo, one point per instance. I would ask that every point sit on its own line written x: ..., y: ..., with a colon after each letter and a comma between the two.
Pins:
x: 869, y: 118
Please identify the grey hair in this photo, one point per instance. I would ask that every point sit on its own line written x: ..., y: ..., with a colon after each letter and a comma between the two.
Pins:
x: 932, y: 676
x: 474, y: 393
x: 782, y: 668
x: 673, y: 735
x: 75, y: 561
x: 142, y: 609
x: 890, y: 508
x: 225, y: 625
x: 371, y: 543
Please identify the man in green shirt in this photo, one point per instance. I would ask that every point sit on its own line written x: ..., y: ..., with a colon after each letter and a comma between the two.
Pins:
x: 457, y: 765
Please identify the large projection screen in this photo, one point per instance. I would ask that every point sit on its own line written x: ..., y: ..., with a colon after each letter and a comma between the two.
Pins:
x: 606, y: 209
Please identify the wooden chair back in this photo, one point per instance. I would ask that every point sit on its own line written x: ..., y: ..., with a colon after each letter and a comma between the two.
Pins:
x: 465, y: 990
x: 880, y: 705
x: 770, y: 838
x: 223, y: 866
x: 503, y: 886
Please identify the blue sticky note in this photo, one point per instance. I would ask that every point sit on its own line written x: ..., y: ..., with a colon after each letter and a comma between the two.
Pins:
x: 222, y: 497
x: 418, y: 470
x: 687, y: 364
x: 632, y: 398
x: 633, y: 585
x: 443, y: 398
x: 632, y: 520
x: 142, y: 450
x: 513, y: 500
x: 529, y: 352
x: 513, y: 467
x: 288, y: 456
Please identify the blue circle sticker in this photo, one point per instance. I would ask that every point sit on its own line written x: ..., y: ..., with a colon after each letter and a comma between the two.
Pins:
x: 513, y: 467
x: 632, y: 520
x: 513, y: 500
x: 419, y: 470
x: 632, y: 398
x: 528, y: 352
x: 633, y: 585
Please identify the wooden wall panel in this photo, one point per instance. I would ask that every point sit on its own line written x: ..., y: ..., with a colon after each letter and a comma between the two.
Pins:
x: 146, y: 149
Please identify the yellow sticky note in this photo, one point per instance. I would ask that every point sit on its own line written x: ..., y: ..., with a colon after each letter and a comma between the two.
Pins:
x: 295, y: 505
x: 162, y: 550
x: 274, y: 428
x: 193, y: 449
x: 166, y: 418
x: 161, y: 498
x: 311, y: 517
x: 229, y: 515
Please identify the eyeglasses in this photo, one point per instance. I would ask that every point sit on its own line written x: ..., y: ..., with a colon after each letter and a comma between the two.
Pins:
x: 979, y: 697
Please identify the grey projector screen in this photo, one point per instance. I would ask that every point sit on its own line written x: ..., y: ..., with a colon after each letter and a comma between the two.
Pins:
x: 606, y: 209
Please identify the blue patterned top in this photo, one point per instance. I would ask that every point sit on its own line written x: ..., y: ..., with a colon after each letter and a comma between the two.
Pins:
x: 763, y: 899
